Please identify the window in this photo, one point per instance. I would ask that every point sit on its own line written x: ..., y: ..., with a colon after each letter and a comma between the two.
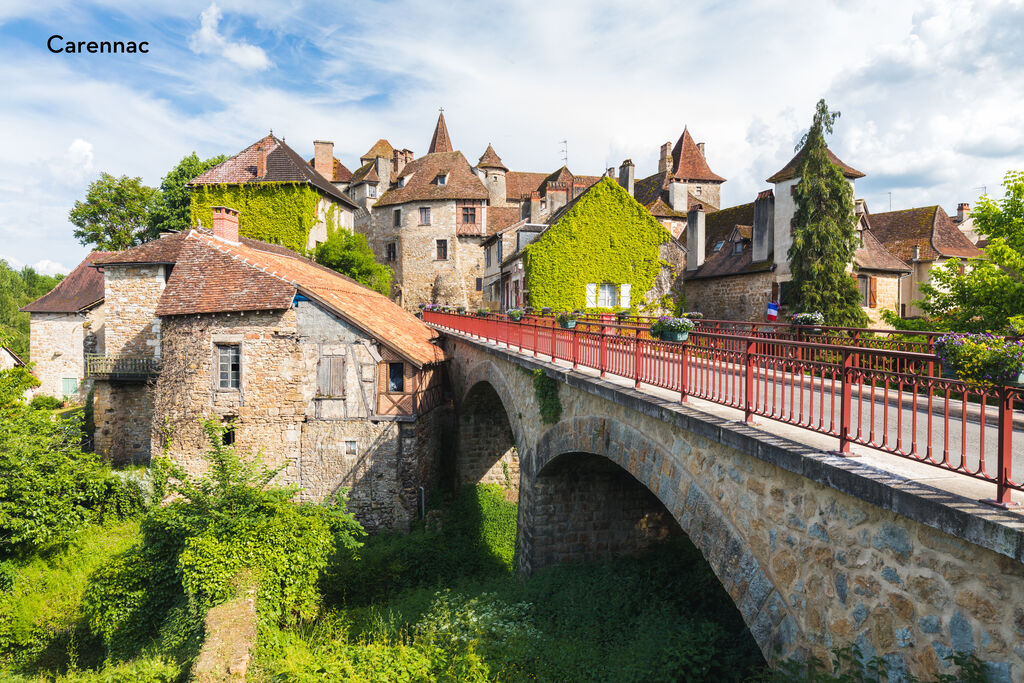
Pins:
x: 396, y: 378
x: 229, y: 364
x: 500, y: 245
x: 397, y: 215
x: 401, y: 182
x: 351, y: 448
x: 738, y: 248
x: 607, y: 295
x: 697, y: 190
x: 442, y: 250
x: 390, y: 251
x: 487, y: 257
x: 469, y: 214
x: 479, y: 284
x: 862, y: 286
x: 718, y: 245
x: 68, y: 386
x: 868, y: 287
x: 371, y: 190
x: 424, y: 215
x: 330, y: 376
x: 227, y: 437
x: 442, y: 179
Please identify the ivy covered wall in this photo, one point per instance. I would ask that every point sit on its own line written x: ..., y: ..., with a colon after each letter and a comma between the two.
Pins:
x: 280, y: 213
x: 606, y: 236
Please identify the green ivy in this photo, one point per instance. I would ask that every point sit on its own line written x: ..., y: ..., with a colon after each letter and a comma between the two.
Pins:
x: 549, y: 404
x: 279, y: 213
x: 606, y: 236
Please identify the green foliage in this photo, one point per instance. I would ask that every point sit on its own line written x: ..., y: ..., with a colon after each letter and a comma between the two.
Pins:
x: 19, y: 288
x: 350, y: 254
x: 173, y: 212
x: 991, y: 289
x: 548, y: 403
x: 50, y: 488
x: 115, y: 213
x: 850, y: 665
x: 606, y: 236
x: 44, y: 402
x: 279, y: 213
x: 824, y: 233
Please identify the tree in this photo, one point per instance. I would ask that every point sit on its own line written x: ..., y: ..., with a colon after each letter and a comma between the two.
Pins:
x: 824, y: 233
x: 990, y: 290
x: 115, y: 213
x: 18, y: 288
x: 349, y: 253
x: 173, y: 213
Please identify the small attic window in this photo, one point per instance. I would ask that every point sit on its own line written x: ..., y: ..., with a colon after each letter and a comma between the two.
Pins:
x: 442, y: 179
x: 696, y: 190
x: 401, y: 181
x: 738, y: 249
x: 718, y: 245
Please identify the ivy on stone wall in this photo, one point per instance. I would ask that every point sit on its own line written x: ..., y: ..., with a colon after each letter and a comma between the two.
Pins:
x: 279, y: 213
x: 548, y: 403
x: 606, y: 236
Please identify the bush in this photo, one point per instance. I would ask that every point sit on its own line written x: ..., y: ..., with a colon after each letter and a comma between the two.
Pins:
x: 982, y: 359
x: 44, y: 402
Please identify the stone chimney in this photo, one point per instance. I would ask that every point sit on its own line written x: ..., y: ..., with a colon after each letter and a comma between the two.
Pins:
x: 860, y: 206
x: 663, y: 161
x: 626, y: 175
x: 763, y: 237
x: 400, y: 158
x: 677, y: 198
x: 700, y: 146
x: 261, y: 160
x: 535, y: 207
x: 695, y: 238
x: 610, y: 173
x: 225, y: 224
x: 323, y: 158
x: 963, y: 212
x: 558, y: 196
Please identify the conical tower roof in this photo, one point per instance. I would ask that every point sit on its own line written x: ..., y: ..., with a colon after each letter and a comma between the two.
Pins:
x: 441, y: 142
x: 490, y: 159
x: 688, y: 163
x: 791, y: 169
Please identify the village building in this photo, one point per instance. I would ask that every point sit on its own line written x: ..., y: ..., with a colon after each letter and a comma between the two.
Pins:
x: 281, y: 197
x: 9, y: 359
x: 322, y: 375
x: 66, y: 327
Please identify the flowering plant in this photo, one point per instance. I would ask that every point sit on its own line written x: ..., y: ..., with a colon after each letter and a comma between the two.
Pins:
x: 515, y: 314
x: 986, y: 359
x: 483, y: 312
x: 814, y: 319
x: 667, y: 323
x: 564, y: 318
x: 694, y: 315
x: 1016, y: 326
x: 546, y: 310
x: 460, y: 309
x: 528, y: 310
x: 431, y: 307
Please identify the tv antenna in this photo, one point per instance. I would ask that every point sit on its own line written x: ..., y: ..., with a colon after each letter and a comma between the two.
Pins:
x: 983, y: 188
x: 565, y: 152
x: 890, y: 201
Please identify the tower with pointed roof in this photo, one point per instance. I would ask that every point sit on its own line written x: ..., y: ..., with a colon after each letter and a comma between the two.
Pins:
x: 492, y: 172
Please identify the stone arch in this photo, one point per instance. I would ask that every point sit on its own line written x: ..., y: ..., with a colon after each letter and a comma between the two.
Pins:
x: 744, y: 576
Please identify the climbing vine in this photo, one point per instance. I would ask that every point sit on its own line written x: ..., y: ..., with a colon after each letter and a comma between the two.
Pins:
x: 546, y: 389
x: 607, y: 236
x: 280, y: 213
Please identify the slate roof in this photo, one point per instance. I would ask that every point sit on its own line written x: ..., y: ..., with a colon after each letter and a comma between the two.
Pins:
x: 688, y: 163
x: 381, y: 148
x: 340, y: 174
x: 441, y: 141
x: 790, y: 170
x: 719, y: 225
x: 490, y: 159
x: 926, y: 227
x: 81, y: 289
x: 421, y: 180
x: 872, y: 255
x: 284, y: 165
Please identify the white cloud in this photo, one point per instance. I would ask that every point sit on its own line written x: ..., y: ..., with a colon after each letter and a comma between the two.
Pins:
x: 76, y: 163
x: 207, y: 40
x: 43, y: 266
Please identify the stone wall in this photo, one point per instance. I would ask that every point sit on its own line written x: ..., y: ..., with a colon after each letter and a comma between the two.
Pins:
x: 741, y: 297
x: 887, y: 291
x: 131, y: 294
x: 485, y: 449
x: 56, y: 346
x: 816, y: 551
x: 123, y: 414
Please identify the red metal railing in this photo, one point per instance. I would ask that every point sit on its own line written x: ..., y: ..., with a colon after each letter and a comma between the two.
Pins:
x: 887, y: 399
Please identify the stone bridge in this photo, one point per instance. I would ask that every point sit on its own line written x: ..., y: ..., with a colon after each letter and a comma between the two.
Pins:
x: 816, y: 550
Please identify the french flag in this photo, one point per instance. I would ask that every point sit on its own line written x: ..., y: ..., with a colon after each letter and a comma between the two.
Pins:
x: 773, y: 311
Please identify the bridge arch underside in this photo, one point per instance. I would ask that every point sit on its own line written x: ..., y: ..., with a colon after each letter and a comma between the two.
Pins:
x: 485, y: 445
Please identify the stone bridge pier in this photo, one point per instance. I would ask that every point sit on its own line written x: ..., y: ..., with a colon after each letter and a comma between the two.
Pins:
x: 816, y: 551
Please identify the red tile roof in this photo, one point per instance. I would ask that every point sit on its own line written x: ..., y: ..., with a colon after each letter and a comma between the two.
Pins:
x: 872, y: 255
x: 500, y: 217
x: 490, y: 159
x: 519, y: 184
x: 688, y: 162
x: 162, y: 250
x: 367, y: 173
x: 928, y: 227
x: 441, y: 141
x: 421, y: 180
x: 652, y: 192
x: 381, y: 148
x: 790, y: 170
x: 81, y: 289
x: 341, y: 174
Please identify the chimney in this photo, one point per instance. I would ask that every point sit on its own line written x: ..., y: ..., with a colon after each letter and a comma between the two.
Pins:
x: 225, y: 224
x: 535, y: 207
x: 323, y: 158
x: 610, y: 173
x: 398, y: 160
x: 261, y: 161
x: 917, y: 253
x: 677, y: 192
x: 626, y: 175
x: 663, y: 160
x: 695, y: 238
x: 963, y: 212
x: 700, y: 146
x: 763, y: 237
x: 860, y: 206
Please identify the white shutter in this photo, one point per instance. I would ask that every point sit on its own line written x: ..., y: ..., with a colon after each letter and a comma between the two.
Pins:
x: 624, y: 295
x: 591, y: 295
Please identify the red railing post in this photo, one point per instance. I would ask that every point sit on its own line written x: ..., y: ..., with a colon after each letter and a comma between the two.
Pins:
x: 748, y: 398
x: 845, y: 405
x: 602, y: 351
x: 684, y: 362
x: 636, y: 359
x: 1004, y: 461
x: 575, y: 348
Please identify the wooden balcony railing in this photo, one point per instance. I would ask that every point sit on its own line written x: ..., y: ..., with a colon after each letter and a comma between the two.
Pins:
x: 121, y: 368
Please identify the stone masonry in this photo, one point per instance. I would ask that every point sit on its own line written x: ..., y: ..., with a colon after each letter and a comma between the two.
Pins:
x: 816, y: 551
x: 486, y: 451
x: 57, y: 347
x: 730, y: 298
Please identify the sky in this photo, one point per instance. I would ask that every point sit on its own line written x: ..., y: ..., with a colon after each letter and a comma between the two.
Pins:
x: 930, y: 92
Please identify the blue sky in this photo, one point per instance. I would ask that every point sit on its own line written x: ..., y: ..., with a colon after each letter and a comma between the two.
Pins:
x: 930, y: 92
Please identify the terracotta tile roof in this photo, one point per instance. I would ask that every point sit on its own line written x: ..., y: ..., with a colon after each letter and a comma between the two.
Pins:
x: 162, y: 250
x: 793, y: 167
x: 490, y: 159
x: 213, y: 276
x: 341, y: 174
x: 688, y: 163
x: 381, y: 148
x: 926, y: 227
x: 441, y: 141
x: 284, y: 165
x: 501, y: 217
x: 562, y: 175
x: 421, y: 180
x: 367, y: 173
x: 82, y: 288
x: 873, y: 256
x: 519, y: 184
x: 652, y: 192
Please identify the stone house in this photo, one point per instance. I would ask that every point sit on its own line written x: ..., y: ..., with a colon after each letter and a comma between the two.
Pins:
x: 65, y: 326
x: 282, y: 198
x: 323, y: 375
x: 602, y: 250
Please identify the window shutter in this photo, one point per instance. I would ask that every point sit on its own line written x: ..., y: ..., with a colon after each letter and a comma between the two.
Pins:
x: 873, y: 292
x: 624, y: 295
x: 591, y: 295
x: 338, y: 376
x: 330, y: 376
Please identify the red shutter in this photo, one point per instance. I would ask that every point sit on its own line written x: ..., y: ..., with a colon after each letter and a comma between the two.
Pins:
x: 873, y: 292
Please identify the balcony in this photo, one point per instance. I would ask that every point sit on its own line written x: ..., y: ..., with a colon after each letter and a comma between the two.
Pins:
x: 121, y: 368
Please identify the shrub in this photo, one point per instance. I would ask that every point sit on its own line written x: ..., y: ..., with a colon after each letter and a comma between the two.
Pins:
x: 546, y: 390
x: 982, y: 359
x: 483, y: 312
x: 44, y: 402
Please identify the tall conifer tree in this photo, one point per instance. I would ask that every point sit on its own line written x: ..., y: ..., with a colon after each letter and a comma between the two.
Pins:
x: 824, y: 233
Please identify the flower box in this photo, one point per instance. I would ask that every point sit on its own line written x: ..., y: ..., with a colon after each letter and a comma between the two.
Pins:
x: 984, y: 359
x: 808, y: 322
x: 514, y: 314
x: 674, y: 336
x: 567, y: 321
x: 672, y: 329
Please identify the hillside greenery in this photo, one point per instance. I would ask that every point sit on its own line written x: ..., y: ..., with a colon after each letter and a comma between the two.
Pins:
x: 19, y: 288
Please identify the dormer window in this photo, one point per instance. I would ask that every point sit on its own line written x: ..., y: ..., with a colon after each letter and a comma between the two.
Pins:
x: 738, y: 249
x: 718, y: 245
x: 401, y: 181
x: 371, y: 190
x: 442, y: 179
